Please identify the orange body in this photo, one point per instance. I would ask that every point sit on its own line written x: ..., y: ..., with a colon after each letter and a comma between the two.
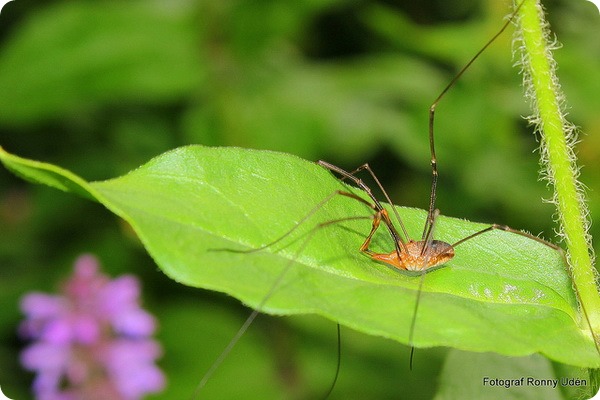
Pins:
x: 415, y: 258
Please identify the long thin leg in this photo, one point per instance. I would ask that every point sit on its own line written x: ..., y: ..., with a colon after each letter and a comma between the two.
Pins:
x: 313, y: 211
x: 339, y: 361
x: 398, y: 241
x: 428, y: 233
x: 428, y: 238
x: 364, y: 248
x: 367, y: 167
x: 507, y: 229
x: 433, y: 106
x: 414, y: 321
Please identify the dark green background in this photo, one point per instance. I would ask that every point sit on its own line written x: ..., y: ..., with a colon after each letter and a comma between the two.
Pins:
x: 101, y: 87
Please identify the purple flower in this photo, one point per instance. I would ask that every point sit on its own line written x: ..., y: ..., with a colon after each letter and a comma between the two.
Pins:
x: 93, y: 341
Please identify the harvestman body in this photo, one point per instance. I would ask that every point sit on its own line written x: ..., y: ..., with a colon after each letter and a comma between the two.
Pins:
x: 418, y: 256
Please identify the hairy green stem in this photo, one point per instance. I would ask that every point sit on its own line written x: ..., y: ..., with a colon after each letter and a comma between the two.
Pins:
x: 558, y: 157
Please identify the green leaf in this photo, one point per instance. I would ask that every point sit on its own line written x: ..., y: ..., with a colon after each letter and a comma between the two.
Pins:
x: 502, y: 292
x: 76, y: 55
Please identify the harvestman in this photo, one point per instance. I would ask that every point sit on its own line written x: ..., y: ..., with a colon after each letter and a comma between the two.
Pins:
x: 410, y: 255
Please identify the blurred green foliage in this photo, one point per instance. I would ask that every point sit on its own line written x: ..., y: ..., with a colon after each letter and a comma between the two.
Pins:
x: 99, y: 87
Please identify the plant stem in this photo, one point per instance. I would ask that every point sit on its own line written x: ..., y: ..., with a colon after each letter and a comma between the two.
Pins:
x: 558, y: 156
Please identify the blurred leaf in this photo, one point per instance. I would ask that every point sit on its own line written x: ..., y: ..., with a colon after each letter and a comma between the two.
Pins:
x: 254, y: 32
x: 502, y: 292
x: 345, y: 106
x: 77, y: 55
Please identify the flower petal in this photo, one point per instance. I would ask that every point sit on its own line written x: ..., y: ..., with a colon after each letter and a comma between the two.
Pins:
x: 119, y: 294
x: 40, y: 305
x: 57, y: 331
x: 136, y: 322
x: 45, y: 356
